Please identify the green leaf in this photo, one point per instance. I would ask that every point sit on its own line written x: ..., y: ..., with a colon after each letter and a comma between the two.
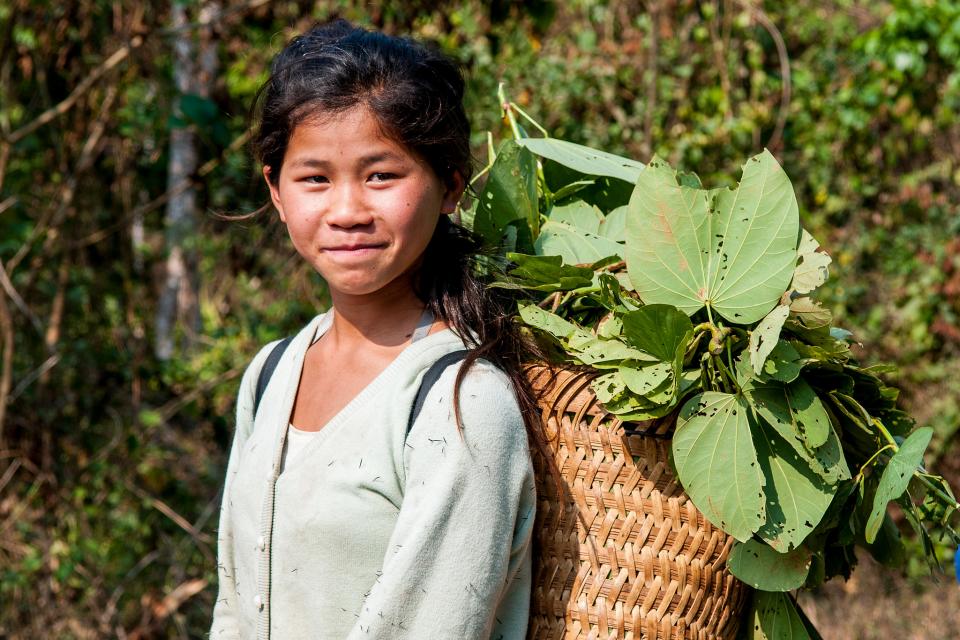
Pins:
x: 614, y: 225
x: 716, y: 462
x: 573, y: 245
x: 644, y: 380
x: 509, y: 195
x: 792, y: 410
x: 546, y: 321
x: 804, y: 410
x: 762, y: 567
x: 810, y: 313
x: 548, y: 273
x: 579, y: 215
x: 571, y: 188
x: 592, y: 162
x: 766, y: 335
x: 599, y: 352
x: 896, y: 476
x: 812, y: 271
x: 608, y: 386
x: 732, y: 250
x: 775, y: 617
x: 658, y: 329
x: 783, y: 363
x: 796, y: 497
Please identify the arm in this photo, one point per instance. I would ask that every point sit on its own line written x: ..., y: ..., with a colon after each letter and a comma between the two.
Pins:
x: 225, y: 610
x: 461, y: 545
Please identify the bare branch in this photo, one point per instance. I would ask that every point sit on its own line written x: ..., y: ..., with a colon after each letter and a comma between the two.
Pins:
x: 202, y: 539
x: 786, y: 85
x: 8, y: 287
x: 205, y: 169
x: 67, y: 103
x: 31, y: 377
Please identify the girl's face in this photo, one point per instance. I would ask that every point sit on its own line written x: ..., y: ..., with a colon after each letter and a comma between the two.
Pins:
x: 359, y: 206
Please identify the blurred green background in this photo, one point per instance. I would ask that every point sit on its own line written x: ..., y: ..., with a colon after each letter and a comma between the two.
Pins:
x: 128, y: 309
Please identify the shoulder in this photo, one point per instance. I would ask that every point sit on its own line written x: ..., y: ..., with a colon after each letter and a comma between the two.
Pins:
x: 282, y: 350
x: 487, y: 401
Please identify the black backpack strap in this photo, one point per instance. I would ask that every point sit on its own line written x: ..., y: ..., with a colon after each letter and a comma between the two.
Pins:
x: 267, y: 370
x: 429, y: 379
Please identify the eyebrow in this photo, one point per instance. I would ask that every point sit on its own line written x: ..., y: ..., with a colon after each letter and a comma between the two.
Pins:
x: 365, y: 161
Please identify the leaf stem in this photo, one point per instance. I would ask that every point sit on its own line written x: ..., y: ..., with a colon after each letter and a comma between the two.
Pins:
x: 883, y: 430
x: 951, y: 502
x: 530, y: 120
x: 491, y: 159
x: 873, y: 458
x: 507, y: 109
x: 732, y: 387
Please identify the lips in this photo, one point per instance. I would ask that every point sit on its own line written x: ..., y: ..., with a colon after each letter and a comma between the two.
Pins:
x: 354, y: 247
x: 352, y: 252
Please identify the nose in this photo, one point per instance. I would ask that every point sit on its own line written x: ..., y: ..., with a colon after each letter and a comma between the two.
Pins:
x: 348, y: 207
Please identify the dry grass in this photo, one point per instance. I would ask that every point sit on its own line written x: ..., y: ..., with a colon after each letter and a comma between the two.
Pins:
x: 878, y: 604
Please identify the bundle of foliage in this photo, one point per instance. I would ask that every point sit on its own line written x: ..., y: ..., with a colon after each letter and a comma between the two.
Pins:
x: 696, y: 305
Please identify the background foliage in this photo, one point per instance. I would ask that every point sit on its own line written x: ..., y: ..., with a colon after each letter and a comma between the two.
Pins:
x: 110, y: 460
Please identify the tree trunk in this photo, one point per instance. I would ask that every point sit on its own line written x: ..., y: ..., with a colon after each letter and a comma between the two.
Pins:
x: 179, y: 296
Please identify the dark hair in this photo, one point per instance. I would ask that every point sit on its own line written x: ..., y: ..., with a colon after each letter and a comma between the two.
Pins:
x: 416, y: 94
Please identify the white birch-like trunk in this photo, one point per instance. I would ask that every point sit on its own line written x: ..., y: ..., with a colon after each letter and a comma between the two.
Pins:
x: 179, y: 296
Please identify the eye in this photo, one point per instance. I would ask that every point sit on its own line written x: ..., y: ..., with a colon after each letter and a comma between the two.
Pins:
x: 316, y: 179
x: 382, y: 176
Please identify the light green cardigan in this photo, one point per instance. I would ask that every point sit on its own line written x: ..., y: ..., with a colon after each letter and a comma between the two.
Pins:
x: 373, y: 533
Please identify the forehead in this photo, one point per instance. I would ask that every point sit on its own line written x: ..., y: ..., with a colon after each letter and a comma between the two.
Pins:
x: 348, y: 134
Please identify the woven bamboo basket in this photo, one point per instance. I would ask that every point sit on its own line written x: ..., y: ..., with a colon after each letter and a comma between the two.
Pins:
x: 621, y: 551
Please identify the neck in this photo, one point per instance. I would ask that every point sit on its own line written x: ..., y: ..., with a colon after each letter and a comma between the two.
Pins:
x: 386, y: 319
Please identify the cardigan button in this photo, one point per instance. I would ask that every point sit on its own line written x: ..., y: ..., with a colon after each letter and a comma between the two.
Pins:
x: 261, y: 543
x: 258, y: 603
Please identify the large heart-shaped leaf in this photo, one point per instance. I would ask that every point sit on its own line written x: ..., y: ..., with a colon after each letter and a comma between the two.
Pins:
x: 592, y: 162
x: 509, y: 196
x: 796, y: 497
x: 896, y: 476
x: 716, y: 462
x: 732, y: 250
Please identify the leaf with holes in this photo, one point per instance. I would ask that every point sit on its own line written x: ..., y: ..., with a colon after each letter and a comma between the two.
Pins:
x: 766, y: 335
x: 733, y: 250
x: 812, y: 270
x: 578, y: 215
x: 509, y: 199
x: 716, y: 462
x: 574, y: 245
x: 796, y: 497
x: 775, y: 617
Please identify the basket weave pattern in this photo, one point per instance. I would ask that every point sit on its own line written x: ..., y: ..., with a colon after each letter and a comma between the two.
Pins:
x: 622, y: 552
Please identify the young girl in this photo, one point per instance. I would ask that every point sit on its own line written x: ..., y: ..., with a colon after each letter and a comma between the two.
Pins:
x: 347, y: 514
